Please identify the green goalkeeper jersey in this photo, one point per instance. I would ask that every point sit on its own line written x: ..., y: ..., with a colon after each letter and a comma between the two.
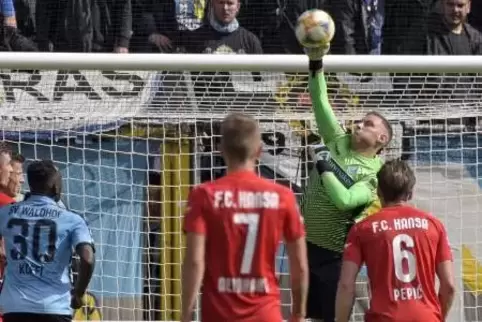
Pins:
x: 334, y: 200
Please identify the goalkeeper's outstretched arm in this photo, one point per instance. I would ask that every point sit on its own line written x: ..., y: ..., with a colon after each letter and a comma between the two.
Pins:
x: 347, y: 198
x: 326, y: 121
x: 344, y: 198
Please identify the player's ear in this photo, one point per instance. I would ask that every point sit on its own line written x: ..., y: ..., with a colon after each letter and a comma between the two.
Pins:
x: 258, y: 151
x: 56, y: 195
x: 221, y: 150
x: 409, y: 196
x: 57, y: 189
x: 383, y: 139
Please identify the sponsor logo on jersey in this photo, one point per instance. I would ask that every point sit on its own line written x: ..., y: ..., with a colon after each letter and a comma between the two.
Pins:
x: 352, y: 170
x: 344, y: 177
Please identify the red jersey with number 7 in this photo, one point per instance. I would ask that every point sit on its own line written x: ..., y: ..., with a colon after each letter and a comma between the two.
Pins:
x: 244, y: 218
x: 401, y: 247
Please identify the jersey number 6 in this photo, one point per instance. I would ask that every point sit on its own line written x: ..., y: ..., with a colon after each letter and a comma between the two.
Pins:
x: 20, y: 252
x: 399, y: 255
x: 252, y: 220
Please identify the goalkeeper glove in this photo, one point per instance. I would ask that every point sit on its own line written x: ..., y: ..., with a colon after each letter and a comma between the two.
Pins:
x: 321, y: 164
x: 316, y: 55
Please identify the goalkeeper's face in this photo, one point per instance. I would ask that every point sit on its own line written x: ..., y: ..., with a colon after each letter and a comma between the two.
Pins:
x: 371, y: 132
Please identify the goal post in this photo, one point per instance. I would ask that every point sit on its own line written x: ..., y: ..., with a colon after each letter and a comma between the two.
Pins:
x: 133, y: 133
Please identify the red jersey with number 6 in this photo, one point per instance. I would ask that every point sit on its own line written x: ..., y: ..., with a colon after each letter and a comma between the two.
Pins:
x: 244, y: 218
x: 401, y: 247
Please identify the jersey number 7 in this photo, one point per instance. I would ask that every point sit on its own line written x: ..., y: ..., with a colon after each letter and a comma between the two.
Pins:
x: 400, y: 255
x: 252, y: 220
x: 42, y: 225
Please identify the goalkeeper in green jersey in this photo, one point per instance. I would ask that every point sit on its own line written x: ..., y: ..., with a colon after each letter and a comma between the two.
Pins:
x: 341, y: 186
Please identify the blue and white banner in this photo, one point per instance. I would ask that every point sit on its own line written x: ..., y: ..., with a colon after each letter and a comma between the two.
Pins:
x: 45, y: 104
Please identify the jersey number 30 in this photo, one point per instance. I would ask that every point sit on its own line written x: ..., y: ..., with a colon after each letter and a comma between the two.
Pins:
x: 252, y: 220
x: 400, y: 255
x: 42, y: 228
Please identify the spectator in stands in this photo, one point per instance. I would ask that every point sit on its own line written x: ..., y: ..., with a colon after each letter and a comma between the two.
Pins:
x: 25, y: 14
x: 400, y: 17
x: 10, y: 37
x: 475, y: 17
x: 159, y: 23
x: 84, y: 26
x: 8, y: 13
x: 222, y: 34
x: 448, y: 33
x: 359, y: 26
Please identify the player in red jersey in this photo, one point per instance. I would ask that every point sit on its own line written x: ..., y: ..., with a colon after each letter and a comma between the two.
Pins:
x: 6, y: 170
x: 404, y: 249
x: 234, y: 226
x: 5, y: 176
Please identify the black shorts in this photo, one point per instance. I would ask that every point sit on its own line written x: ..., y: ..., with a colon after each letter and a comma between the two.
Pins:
x: 325, y: 267
x: 33, y: 317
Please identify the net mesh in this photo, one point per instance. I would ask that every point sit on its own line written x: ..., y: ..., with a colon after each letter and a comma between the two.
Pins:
x: 131, y: 145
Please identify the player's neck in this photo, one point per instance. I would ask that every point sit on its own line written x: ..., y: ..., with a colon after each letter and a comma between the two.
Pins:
x: 365, y: 151
x: 5, y: 191
x: 393, y: 204
x: 240, y: 167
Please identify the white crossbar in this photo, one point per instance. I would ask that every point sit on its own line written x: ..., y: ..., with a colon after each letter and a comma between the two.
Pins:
x: 253, y: 63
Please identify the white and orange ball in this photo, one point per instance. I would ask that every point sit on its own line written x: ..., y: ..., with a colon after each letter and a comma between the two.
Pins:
x: 315, y: 28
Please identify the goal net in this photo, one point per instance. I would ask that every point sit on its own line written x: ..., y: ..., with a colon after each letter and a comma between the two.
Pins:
x: 131, y: 144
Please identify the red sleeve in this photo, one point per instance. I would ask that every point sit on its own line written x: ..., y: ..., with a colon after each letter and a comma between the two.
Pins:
x: 353, y: 249
x: 194, y: 220
x: 293, y: 227
x: 444, y: 253
x: 5, y: 200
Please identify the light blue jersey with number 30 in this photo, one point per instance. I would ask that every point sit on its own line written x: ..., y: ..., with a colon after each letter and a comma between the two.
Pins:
x: 39, y: 241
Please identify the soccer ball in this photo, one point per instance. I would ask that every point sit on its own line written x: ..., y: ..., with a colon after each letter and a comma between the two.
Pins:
x: 315, y: 28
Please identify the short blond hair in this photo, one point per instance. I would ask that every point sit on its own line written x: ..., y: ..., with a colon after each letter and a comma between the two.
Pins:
x: 240, y: 137
x: 396, y: 181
